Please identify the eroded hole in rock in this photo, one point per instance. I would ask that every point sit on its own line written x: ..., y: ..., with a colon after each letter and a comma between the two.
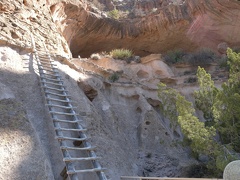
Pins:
x: 25, y: 3
x: 136, y: 97
x: 148, y: 155
x: 147, y: 122
x: 142, y: 74
x: 139, y: 110
x: 176, y: 134
x: 14, y: 35
x: 52, y: 8
x: 14, y: 25
x: 3, y: 24
x: 153, y: 102
x: 88, y: 90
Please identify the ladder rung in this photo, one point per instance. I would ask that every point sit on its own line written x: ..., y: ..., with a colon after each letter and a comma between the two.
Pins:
x: 42, y: 66
x: 65, y: 129
x: 71, y: 138
x: 56, y: 94
x: 47, y: 67
x: 47, y: 63
x: 76, y: 148
x: 56, y: 84
x: 58, y: 100
x: 59, y: 106
x: 46, y: 60
x: 86, y: 170
x: 43, y: 55
x: 50, y: 79
x: 47, y: 70
x: 63, y: 113
x: 47, y: 87
x: 66, y: 121
x: 81, y: 159
x: 54, y: 75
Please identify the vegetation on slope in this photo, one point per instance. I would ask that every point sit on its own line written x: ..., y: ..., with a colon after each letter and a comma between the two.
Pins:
x: 121, y: 54
x: 218, y: 137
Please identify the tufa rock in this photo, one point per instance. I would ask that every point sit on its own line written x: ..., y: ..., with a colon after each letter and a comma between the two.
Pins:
x: 89, y: 91
x: 222, y: 47
x: 232, y: 171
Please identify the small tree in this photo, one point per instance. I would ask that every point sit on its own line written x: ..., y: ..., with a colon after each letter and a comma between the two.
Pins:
x: 205, y: 96
x: 168, y: 98
x: 226, y: 109
x: 180, y: 111
x: 114, y: 14
x: 201, y: 137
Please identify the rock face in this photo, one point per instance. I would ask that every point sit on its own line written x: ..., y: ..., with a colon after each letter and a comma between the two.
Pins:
x: 22, y: 156
x: 157, y: 28
x: 21, y: 19
x: 22, y: 126
x: 231, y: 171
x: 123, y: 116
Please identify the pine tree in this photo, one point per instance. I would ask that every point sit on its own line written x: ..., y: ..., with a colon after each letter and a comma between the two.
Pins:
x: 180, y: 110
x: 220, y: 106
x: 201, y: 137
x: 168, y: 98
x: 205, y: 96
x: 226, y: 109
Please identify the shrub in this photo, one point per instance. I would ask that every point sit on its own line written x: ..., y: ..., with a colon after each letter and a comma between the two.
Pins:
x: 201, y: 57
x: 95, y: 56
x: 191, y: 80
x: 236, y: 49
x: 175, y: 56
x: 223, y: 63
x: 121, y: 54
x: 114, y: 14
x: 114, y: 77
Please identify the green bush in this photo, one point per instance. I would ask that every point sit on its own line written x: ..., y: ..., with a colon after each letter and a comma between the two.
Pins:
x: 121, y: 54
x: 223, y: 63
x: 175, y: 56
x: 114, y: 77
x: 114, y: 14
x: 202, y: 57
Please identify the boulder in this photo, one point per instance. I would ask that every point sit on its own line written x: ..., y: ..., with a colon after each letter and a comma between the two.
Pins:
x: 232, y: 171
x: 222, y: 47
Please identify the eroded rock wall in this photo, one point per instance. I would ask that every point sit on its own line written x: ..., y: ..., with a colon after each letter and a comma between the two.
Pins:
x: 159, y: 27
x: 21, y: 19
x: 24, y: 124
x: 131, y: 135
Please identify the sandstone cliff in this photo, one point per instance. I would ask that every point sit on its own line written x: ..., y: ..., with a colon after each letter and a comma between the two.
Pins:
x: 157, y: 26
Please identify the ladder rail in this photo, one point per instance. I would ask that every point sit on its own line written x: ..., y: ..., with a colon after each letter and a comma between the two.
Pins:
x: 57, y: 85
x: 92, y: 153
